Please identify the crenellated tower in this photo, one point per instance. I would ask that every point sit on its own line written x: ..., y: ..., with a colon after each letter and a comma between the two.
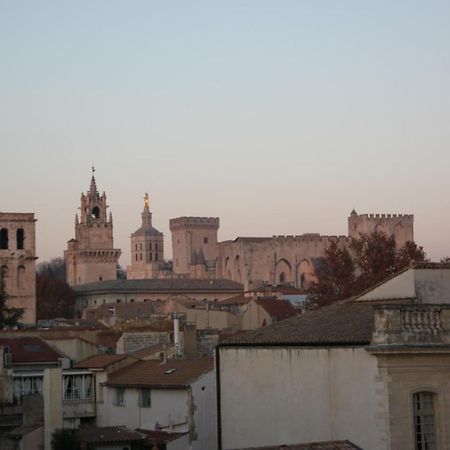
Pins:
x: 401, y: 226
x: 194, y: 244
x: 91, y: 256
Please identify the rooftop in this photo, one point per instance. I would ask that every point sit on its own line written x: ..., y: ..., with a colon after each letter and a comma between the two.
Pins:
x: 29, y: 350
x: 159, y: 285
x: 277, y: 309
x: 98, y: 435
x: 342, y: 323
x: 175, y: 373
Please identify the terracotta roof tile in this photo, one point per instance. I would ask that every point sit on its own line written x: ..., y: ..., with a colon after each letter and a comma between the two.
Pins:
x: 278, y: 309
x: 28, y: 350
x: 343, y: 323
x: 175, y: 373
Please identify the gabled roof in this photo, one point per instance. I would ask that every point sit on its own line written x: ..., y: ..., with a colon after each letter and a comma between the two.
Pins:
x: 328, y: 445
x: 277, y: 309
x: 99, y: 361
x: 342, y: 323
x: 159, y: 285
x: 30, y: 350
x: 174, y: 374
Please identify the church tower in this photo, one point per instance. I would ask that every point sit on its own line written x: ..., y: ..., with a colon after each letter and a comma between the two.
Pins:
x: 147, y: 248
x: 91, y: 256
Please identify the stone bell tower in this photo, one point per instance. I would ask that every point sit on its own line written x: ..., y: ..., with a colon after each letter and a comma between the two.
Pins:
x: 147, y: 248
x: 91, y: 256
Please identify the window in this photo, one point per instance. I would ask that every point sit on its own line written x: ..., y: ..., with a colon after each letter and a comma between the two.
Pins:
x: 151, y: 256
x: 424, y: 420
x: 3, y: 239
x: 135, y: 246
x: 136, y: 256
x: 140, y: 256
x: 120, y: 397
x: 156, y: 246
x: 20, y: 236
x: 205, y: 240
x: 150, y: 246
x: 156, y: 256
x: 78, y: 387
x: 96, y: 213
x: 140, y: 246
x: 145, y: 398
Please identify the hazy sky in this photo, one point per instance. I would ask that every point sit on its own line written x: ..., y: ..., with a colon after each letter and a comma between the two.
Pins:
x: 277, y: 116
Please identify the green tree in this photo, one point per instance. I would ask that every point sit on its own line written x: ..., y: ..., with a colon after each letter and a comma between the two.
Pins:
x: 9, y: 316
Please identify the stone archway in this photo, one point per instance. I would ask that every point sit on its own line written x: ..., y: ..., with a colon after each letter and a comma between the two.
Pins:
x: 283, y: 272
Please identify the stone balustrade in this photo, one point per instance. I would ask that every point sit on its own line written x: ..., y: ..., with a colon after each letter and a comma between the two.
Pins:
x: 415, y: 324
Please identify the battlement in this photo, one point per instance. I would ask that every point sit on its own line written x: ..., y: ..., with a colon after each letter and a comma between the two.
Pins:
x: 181, y: 223
x: 381, y: 216
x: 308, y: 237
x: 17, y: 217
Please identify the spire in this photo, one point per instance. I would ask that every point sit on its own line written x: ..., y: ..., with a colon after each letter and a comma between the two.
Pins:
x: 93, y: 187
x: 146, y: 214
x: 76, y: 219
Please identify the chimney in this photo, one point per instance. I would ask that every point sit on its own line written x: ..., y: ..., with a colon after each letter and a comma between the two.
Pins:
x: 176, y: 336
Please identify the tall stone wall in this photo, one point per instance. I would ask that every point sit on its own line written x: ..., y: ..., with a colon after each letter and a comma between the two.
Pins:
x: 277, y: 260
x: 18, y: 261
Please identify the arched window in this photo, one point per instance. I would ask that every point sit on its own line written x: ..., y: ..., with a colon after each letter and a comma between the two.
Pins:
x: 20, y: 277
x: 96, y: 213
x: 4, y: 239
x: 302, y: 281
x: 20, y: 236
x: 425, y: 420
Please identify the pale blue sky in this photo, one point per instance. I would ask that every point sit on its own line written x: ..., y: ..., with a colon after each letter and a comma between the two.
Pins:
x: 277, y: 116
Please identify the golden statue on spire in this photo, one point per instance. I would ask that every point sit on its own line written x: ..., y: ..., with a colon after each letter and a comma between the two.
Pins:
x: 146, y: 200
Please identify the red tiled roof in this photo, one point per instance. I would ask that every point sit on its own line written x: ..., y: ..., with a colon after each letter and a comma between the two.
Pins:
x: 97, y: 435
x: 277, y: 309
x: 99, y: 361
x: 29, y: 350
x: 175, y: 373
x: 328, y: 445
